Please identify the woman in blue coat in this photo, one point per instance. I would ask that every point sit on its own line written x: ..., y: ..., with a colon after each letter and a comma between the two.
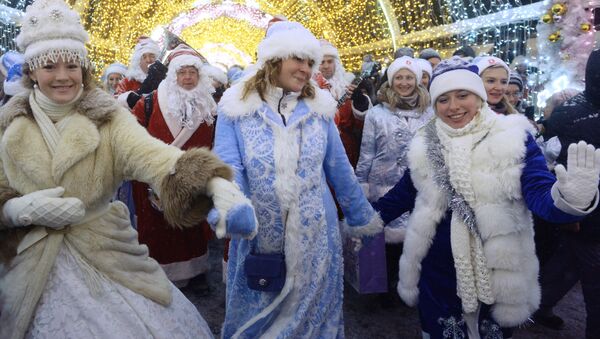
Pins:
x: 474, y: 179
x: 276, y: 130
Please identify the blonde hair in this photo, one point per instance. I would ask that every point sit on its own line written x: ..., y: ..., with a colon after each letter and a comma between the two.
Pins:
x: 388, y: 95
x: 510, y: 109
x: 267, y: 77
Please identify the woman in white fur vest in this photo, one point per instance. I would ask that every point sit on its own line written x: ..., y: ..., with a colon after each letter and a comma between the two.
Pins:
x: 276, y: 130
x: 70, y: 262
x: 474, y: 179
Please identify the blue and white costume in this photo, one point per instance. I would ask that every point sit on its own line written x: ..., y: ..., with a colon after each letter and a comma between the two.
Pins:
x: 509, y: 178
x: 283, y: 166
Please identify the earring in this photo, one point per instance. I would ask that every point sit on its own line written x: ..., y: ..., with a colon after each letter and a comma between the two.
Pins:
x: 35, y: 84
x: 82, y: 85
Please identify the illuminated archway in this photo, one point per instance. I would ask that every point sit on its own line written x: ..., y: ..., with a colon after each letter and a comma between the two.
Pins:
x: 114, y: 25
x: 241, y: 29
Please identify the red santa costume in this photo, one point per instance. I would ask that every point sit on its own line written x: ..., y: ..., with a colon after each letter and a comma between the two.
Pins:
x: 183, y: 118
x: 348, y: 119
x: 135, y: 75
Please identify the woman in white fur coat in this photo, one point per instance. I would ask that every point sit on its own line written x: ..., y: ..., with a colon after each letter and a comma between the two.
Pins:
x: 474, y: 179
x: 70, y: 262
x: 276, y: 130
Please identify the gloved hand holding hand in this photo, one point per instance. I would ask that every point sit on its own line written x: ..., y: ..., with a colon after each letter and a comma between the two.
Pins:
x: 579, y: 184
x: 43, y: 208
x: 233, y: 214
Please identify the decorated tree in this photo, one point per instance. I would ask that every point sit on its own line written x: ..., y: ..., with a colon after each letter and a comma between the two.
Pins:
x: 565, y: 40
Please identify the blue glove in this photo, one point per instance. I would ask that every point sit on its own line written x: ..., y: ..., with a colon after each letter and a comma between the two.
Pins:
x: 239, y: 222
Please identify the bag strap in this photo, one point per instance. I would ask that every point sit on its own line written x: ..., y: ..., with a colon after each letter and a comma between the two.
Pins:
x: 148, y: 103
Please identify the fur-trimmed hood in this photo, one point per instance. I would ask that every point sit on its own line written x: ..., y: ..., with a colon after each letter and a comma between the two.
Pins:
x: 233, y: 106
x: 95, y: 104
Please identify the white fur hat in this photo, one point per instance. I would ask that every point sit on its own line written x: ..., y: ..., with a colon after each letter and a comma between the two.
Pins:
x: 146, y: 45
x: 455, y: 74
x: 49, y: 31
x: 143, y: 46
x: 425, y: 66
x: 484, y: 62
x: 287, y: 39
x: 404, y: 62
x: 329, y: 49
x: 114, y: 68
x: 184, y: 55
x: 215, y: 73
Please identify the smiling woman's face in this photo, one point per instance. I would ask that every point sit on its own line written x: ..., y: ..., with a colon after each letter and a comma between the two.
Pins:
x: 404, y: 82
x: 457, y: 108
x: 295, y: 74
x: 495, y: 81
x: 59, y: 81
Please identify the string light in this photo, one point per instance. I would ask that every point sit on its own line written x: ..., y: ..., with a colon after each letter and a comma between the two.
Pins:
x: 115, y: 25
x: 233, y: 28
x: 9, y: 17
x: 240, y: 34
x: 567, y: 40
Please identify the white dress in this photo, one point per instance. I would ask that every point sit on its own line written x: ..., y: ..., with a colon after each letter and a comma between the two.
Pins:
x: 67, y: 309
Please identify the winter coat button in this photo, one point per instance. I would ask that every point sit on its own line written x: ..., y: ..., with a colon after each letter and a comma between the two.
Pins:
x: 263, y: 282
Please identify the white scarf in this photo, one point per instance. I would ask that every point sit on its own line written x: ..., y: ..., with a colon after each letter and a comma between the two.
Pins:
x: 46, y: 113
x: 472, y: 274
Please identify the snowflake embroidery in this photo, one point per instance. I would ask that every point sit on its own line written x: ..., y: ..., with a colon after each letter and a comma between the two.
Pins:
x: 452, y: 328
x: 490, y: 330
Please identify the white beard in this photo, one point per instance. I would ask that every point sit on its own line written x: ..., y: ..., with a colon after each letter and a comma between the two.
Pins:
x: 338, y: 81
x: 190, y: 108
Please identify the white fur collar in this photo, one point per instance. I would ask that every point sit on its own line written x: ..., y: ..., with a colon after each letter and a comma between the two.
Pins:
x: 233, y: 106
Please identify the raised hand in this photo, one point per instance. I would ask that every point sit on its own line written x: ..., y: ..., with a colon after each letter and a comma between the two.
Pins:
x: 578, y: 184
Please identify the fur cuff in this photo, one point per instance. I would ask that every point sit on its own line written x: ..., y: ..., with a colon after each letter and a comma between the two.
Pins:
x: 566, y: 207
x: 373, y: 227
x: 122, y: 99
x: 510, y: 315
x: 409, y: 295
x: 184, y: 191
x: 9, y: 237
x: 6, y: 193
x: 394, y: 235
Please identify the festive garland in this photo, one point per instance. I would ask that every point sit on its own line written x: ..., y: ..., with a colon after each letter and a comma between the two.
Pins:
x: 565, y: 40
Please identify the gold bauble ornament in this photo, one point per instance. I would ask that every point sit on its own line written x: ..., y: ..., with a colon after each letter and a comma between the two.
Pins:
x: 585, y: 27
x: 547, y: 19
x: 554, y: 37
x: 559, y: 9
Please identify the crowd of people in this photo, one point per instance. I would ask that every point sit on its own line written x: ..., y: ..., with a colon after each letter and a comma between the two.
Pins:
x: 111, y: 190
